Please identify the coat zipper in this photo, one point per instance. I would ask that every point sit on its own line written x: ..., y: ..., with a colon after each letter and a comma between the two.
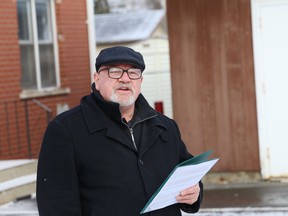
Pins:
x: 132, y: 136
x: 131, y: 129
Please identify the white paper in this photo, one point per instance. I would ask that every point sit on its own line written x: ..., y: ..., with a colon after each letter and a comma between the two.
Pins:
x: 182, y: 178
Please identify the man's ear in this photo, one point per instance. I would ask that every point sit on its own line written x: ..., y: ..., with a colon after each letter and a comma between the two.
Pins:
x: 96, y: 79
x: 95, y: 76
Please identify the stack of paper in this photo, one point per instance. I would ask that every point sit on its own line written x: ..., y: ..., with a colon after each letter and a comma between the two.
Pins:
x: 184, y: 175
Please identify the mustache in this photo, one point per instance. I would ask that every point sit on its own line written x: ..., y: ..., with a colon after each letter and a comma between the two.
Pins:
x: 124, y: 85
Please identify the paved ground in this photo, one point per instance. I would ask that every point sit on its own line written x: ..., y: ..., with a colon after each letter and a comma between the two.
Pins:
x: 260, y: 194
x: 261, y: 198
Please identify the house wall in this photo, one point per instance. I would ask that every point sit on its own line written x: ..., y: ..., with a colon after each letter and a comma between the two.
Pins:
x: 23, y: 121
x: 9, y: 51
x: 213, y: 80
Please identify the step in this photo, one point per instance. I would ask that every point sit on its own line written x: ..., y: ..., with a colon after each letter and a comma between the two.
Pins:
x: 17, y: 179
x: 18, y: 213
x: 10, y: 169
x: 16, y: 188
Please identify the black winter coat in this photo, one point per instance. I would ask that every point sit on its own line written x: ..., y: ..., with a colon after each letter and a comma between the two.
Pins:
x: 88, y: 165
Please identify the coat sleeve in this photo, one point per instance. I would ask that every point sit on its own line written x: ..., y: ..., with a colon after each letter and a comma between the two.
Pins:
x: 57, y: 191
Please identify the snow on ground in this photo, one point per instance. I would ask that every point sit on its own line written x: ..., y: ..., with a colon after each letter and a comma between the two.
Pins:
x: 24, y: 207
x: 28, y: 207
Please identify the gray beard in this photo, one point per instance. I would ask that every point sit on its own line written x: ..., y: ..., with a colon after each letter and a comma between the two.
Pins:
x: 129, y: 102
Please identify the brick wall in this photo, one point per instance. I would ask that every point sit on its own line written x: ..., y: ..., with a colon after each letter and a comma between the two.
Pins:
x: 73, y: 47
x: 20, y: 138
x: 10, y: 71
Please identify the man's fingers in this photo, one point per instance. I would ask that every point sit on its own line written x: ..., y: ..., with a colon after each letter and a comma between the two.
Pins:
x: 189, y: 195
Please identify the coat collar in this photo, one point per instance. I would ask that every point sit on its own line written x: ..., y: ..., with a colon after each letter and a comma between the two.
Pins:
x: 100, y: 114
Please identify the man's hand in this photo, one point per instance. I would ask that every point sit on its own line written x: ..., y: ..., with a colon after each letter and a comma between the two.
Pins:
x: 189, y: 195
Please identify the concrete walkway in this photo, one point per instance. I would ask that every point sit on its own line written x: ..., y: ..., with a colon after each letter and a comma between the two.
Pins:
x: 260, y: 194
x: 259, y: 198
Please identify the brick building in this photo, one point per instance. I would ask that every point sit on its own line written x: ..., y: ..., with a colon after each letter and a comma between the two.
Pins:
x: 45, y: 68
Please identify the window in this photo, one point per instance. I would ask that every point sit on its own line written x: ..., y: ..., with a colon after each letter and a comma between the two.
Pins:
x: 38, y: 46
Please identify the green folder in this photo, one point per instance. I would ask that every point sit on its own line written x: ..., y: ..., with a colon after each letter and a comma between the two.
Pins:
x: 192, y: 161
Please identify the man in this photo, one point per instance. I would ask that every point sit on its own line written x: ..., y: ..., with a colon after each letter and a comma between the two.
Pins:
x: 108, y: 156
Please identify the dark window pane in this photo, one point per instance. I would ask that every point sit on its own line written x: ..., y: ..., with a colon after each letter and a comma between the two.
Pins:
x: 43, y: 21
x: 48, y: 75
x: 28, y: 79
x: 23, y: 20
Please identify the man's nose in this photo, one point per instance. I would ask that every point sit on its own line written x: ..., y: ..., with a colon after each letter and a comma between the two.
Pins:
x: 125, y: 77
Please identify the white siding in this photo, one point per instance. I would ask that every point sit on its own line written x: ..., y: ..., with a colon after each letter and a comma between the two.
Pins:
x: 157, y: 80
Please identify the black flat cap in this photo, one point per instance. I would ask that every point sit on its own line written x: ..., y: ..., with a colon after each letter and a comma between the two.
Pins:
x: 120, y: 54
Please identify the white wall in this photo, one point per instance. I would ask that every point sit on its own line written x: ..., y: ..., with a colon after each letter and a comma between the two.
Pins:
x: 157, y: 80
x: 270, y: 41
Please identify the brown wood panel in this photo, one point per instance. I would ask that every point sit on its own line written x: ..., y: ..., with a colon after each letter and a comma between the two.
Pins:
x: 213, y: 79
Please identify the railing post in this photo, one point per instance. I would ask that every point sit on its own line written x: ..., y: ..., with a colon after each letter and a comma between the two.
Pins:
x: 28, y: 129
x: 8, y: 127
x: 48, y: 116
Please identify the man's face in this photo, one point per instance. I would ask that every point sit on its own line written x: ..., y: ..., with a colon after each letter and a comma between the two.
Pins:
x: 123, y: 90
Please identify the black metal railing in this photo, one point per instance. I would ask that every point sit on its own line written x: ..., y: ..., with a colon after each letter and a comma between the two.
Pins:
x: 22, y: 124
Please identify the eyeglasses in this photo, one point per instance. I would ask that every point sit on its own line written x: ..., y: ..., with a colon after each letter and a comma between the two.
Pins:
x: 117, y: 73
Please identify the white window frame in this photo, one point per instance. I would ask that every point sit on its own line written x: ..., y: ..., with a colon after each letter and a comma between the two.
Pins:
x: 34, y: 33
